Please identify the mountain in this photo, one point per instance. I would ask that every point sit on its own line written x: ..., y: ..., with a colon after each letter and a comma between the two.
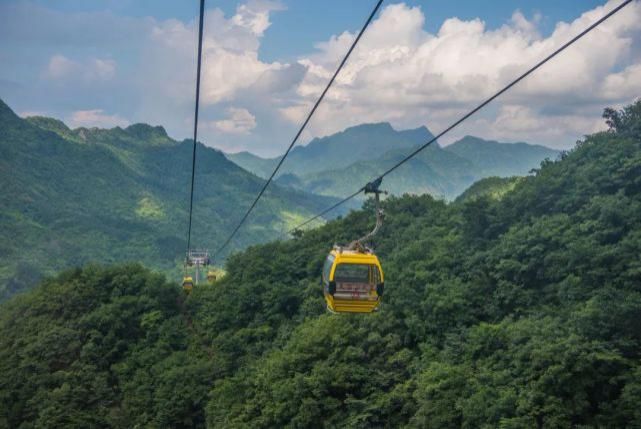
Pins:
x: 261, y: 167
x: 434, y: 171
x: 492, y: 158
x: 519, y: 311
x: 335, y: 164
x: 490, y: 187
x: 89, y: 194
x: 440, y: 171
x: 360, y: 143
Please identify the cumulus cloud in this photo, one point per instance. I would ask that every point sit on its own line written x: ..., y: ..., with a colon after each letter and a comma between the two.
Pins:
x: 404, y: 74
x: 255, y: 15
x: 94, y: 69
x: 96, y: 118
x: 145, y: 71
x: 238, y: 121
x: 60, y: 66
x: 401, y: 73
x: 230, y: 48
x: 30, y: 113
x: 517, y: 122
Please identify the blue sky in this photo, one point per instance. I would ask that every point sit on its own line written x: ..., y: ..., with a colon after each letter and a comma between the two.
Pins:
x: 115, y: 62
x: 315, y: 20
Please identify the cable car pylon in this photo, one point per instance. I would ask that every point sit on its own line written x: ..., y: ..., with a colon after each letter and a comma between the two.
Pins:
x: 196, y: 260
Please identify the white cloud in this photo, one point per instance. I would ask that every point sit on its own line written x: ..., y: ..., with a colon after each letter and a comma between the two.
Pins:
x: 60, y: 66
x: 145, y: 71
x: 515, y: 122
x: 230, y: 49
x: 239, y: 121
x: 617, y: 86
x: 94, y: 69
x: 255, y: 15
x: 102, y: 69
x: 96, y: 118
x: 401, y: 73
x: 30, y: 113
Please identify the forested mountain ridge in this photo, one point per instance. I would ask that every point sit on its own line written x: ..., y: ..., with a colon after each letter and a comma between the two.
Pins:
x: 491, y: 158
x: 518, y: 311
x: 74, y: 196
x: 492, y: 187
x: 370, y: 149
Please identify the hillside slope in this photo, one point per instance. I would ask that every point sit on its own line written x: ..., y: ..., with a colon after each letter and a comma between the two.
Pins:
x: 73, y: 196
x: 514, y: 312
x: 490, y: 187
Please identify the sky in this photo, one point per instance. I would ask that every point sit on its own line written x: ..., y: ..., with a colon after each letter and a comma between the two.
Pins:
x: 109, y: 63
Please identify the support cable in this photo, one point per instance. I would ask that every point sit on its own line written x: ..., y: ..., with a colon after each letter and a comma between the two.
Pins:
x: 470, y: 113
x: 300, y: 131
x: 193, y: 155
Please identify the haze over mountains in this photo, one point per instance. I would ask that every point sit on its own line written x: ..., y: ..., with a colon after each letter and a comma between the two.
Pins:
x: 73, y: 196
x: 337, y: 164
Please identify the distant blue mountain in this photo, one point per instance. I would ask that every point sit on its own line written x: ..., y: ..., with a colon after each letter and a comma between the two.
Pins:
x: 360, y: 143
x: 337, y: 164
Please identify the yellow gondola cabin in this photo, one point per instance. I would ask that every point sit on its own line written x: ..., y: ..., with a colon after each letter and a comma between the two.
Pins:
x: 188, y: 284
x: 352, y: 281
x: 211, y: 276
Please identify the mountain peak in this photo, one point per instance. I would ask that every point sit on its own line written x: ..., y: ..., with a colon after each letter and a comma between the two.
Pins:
x: 418, y: 135
x: 374, y: 126
x: 146, y: 131
x: 53, y: 125
x: 473, y: 139
x: 6, y: 113
x: 356, y: 130
x: 470, y: 141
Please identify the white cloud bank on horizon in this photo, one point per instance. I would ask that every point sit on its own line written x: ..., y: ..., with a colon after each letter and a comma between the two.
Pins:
x: 96, y: 69
x: 403, y: 74
x: 239, y: 121
x: 96, y: 118
x: 399, y: 73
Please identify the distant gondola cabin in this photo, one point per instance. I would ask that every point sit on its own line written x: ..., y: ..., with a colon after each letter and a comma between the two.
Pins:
x: 352, y: 281
x: 211, y: 276
x: 188, y: 284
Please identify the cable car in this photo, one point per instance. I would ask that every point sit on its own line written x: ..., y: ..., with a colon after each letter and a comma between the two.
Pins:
x: 200, y: 260
x: 352, y: 277
x: 211, y: 276
x: 352, y: 281
x: 188, y: 284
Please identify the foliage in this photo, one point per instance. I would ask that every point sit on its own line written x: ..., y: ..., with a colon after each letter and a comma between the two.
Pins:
x: 515, y: 312
x: 100, y: 347
x: 492, y: 187
x: 73, y: 196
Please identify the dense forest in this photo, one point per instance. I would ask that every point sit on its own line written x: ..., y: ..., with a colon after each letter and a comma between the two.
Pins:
x: 70, y: 197
x: 515, y: 308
